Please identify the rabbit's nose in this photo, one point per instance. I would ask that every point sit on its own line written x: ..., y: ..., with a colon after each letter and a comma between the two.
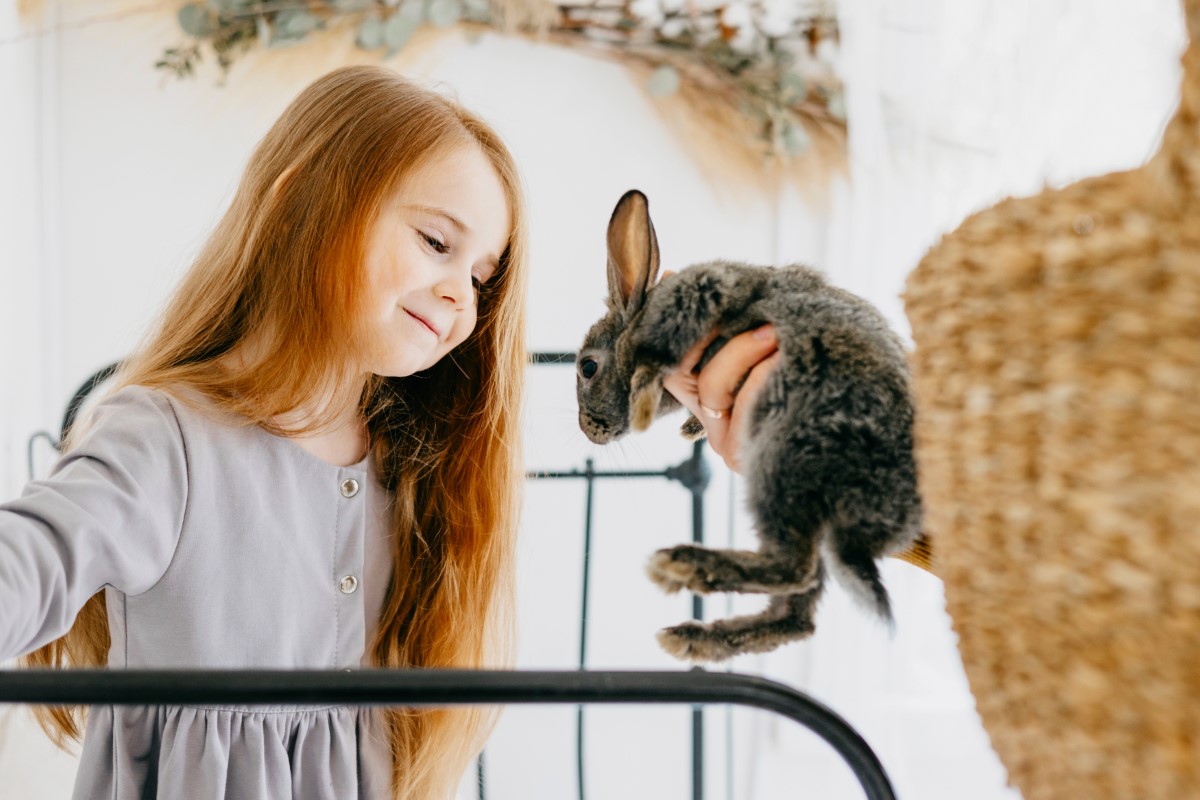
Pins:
x: 596, y: 430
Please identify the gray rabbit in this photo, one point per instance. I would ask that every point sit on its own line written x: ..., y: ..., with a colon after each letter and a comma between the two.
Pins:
x: 827, y: 451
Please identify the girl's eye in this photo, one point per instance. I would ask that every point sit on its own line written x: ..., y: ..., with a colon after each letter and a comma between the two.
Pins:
x: 438, y: 247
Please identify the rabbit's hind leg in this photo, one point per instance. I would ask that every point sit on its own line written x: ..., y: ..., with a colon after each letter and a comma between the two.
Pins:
x: 787, y: 618
x: 703, y: 570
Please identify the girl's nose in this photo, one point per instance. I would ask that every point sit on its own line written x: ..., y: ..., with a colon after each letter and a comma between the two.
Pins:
x: 455, y: 288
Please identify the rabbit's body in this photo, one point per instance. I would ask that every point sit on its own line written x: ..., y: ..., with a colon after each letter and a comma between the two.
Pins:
x: 826, y: 450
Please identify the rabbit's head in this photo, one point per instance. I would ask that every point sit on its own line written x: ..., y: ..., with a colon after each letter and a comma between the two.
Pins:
x: 605, y: 364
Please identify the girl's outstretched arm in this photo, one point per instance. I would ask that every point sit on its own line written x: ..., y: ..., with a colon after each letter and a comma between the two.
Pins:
x: 109, y: 514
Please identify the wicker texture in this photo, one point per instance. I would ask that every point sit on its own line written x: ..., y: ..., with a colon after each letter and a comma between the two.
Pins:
x: 1057, y: 377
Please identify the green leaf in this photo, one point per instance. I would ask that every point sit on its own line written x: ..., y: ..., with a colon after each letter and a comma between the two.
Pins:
x: 397, y: 31
x: 399, y: 27
x: 444, y: 13
x: 263, y: 30
x: 478, y: 10
x: 414, y: 10
x: 370, y: 34
x: 795, y: 139
x: 295, y: 24
x: 663, y: 82
x: 837, y: 106
x: 197, y: 20
x: 794, y: 87
x: 230, y: 7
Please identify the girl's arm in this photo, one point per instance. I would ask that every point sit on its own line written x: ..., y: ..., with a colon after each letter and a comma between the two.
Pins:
x: 109, y: 514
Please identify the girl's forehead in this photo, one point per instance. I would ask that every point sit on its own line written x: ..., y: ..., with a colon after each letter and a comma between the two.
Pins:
x: 451, y: 170
x: 463, y: 183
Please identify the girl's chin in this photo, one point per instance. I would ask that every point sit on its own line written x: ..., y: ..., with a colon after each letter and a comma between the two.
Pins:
x: 403, y: 368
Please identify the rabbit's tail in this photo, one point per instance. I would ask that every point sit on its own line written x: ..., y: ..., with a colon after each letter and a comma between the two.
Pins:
x: 855, y: 569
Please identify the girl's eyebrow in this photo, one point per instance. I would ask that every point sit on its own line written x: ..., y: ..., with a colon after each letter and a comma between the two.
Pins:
x: 441, y: 212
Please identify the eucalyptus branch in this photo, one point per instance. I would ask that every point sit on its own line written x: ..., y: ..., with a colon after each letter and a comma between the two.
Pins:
x: 725, y: 55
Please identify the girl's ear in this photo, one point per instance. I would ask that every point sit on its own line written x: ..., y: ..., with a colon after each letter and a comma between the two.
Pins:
x: 632, y: 253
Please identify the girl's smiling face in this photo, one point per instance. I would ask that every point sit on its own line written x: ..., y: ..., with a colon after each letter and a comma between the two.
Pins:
x: 436, y: 243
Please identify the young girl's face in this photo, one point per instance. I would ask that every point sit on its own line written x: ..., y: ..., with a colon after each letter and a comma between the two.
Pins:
x: 436, y: 242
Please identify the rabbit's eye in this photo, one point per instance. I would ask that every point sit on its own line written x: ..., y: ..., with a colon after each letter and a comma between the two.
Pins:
x: 588, y: 367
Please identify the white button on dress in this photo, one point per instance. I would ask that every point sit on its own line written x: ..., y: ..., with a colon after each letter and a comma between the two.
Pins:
x: 349, y: 487
x: 348, y: 584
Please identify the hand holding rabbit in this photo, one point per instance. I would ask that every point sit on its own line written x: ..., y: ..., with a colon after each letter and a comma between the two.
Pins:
x: 720, y: 394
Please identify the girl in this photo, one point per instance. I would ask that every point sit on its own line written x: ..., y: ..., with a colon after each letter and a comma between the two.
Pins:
x: 312, y: 462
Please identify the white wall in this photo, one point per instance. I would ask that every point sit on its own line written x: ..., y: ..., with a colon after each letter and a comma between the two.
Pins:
x: 112, y: 175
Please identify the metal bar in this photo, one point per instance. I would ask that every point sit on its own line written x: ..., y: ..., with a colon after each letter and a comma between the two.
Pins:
x: 574, y: 473
x: 552, y: 358
x: 583, y: 619
x: 697, y: 484
x: 421, y: 688
x: 698, y: 613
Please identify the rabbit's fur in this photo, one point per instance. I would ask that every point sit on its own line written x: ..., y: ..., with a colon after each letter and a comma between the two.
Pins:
x: 827, y: 449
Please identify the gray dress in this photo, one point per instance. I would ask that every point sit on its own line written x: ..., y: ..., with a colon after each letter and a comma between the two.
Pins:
x: 218, y: 546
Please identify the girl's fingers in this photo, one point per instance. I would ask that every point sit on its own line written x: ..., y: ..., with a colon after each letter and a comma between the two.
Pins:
x: 732, y: 444
x: 721, y: 377
x: 738, y: 369
x: 682, y: 383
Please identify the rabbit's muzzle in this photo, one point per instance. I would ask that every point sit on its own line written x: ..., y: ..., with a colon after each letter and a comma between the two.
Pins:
x: 599, y: 430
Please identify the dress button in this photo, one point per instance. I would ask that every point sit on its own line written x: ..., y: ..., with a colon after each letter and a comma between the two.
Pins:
x: 349, y: 487
x: 348, y: 584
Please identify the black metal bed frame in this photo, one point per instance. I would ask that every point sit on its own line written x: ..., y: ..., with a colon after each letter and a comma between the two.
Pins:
x: 420, y: 688
x: 417, y: 688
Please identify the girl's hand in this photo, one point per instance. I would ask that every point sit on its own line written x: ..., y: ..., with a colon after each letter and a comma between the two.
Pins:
x: 713, y: 394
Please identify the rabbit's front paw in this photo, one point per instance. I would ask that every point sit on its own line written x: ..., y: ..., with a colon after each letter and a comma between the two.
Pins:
x: 645, y: 396
x: 696, y: 641
x: 692, y: 429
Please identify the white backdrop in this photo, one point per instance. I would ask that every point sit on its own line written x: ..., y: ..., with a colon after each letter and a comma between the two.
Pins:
x: 111, y: 175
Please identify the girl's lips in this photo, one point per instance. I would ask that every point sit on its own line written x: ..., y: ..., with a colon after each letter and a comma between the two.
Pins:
x: 424, y: 322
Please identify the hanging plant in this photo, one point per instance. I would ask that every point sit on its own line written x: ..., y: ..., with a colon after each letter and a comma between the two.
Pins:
x: 759, y: 70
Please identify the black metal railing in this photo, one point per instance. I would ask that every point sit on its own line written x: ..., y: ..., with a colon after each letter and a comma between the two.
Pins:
x: 425, y: 688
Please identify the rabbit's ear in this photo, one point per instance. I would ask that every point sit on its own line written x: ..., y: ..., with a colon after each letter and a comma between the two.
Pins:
x: 632, y: 253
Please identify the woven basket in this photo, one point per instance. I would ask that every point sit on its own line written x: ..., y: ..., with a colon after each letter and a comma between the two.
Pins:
x: 1057, y: 377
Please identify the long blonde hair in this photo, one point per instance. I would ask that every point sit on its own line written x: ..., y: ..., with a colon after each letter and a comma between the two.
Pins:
x: 284, y: 266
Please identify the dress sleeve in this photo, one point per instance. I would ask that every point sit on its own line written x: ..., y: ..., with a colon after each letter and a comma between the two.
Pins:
x: 109, y: 513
